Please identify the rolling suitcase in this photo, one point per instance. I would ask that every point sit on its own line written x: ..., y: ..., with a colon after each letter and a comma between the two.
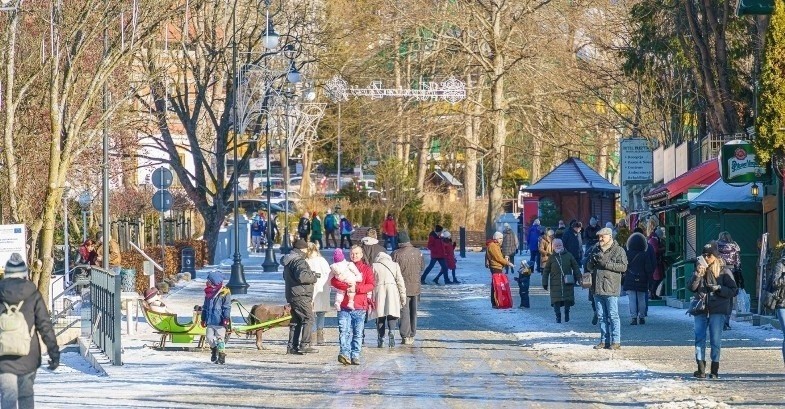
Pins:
x: 501, y: 297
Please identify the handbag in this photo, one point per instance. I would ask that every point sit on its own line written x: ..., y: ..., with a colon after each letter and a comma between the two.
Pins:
x: 697, y: 305
x: 586, y: 280
x: 567, y: 279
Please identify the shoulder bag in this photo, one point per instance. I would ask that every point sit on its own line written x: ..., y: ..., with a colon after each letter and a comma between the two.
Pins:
x: 698, y: 302
x: 567, y: 279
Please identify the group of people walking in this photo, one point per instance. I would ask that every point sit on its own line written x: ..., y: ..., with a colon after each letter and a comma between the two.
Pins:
x: 622, y: 261
x: 369, y: 284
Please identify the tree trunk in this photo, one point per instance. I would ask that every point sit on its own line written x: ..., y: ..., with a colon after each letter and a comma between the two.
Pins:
x: 212, y: 226
x: 496, y: 159
x: 10, y: 118
x: 422, y: 161
x: 42, y: 277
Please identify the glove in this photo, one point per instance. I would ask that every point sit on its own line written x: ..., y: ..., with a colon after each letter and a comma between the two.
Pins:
x: 203, y: 324
x: 714, y: 287
x: 545, y: 287
x: 54, y: 362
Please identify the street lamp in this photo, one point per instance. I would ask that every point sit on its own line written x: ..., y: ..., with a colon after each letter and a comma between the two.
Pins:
x: 85, y: 199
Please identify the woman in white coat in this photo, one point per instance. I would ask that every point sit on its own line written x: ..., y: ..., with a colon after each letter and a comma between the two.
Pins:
x: 321, y: 289
x: 389, y: 294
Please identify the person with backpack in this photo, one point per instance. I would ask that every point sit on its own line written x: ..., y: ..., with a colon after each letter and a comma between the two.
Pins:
x: 257, y: 230
x: 346, y: 231
x: 330, y: 225
x: 304, y: 227
x: 23, y: 317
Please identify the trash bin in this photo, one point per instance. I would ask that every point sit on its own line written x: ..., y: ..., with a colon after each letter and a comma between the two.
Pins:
x: 128, y: 279
x: 187, y: 259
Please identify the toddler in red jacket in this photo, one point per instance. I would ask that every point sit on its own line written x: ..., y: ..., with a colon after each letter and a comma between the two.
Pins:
x: 449, y: 254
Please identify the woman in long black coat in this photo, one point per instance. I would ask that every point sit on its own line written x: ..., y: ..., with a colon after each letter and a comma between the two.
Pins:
x: 560, y: 264
x: 640, y: 266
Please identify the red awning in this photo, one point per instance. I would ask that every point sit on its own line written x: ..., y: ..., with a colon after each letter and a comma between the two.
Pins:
x: 703, y: 175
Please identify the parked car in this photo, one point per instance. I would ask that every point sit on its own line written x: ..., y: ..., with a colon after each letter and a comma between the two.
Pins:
x: 252, y: 206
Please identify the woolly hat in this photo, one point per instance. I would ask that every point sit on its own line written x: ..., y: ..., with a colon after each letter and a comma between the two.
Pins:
x: 605, y: 232
x: 15, y: 267
x: 215, y: 277
x: 150, y: 293
x: 536, y: 222
x: 609, y: 225
x: 300, y: 244
x: 338, y: 255
x: 498, y: 235
x: 372, y: 233
x: 403, y: 237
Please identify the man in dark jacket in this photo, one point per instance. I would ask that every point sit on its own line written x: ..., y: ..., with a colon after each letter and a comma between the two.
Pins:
x: 411, y: 261
x: 607, y: 262
x: 17, y: 373
x: 304, y: 226
x: 436, y: 246
x: 572, y: 241
x: 371, y: 246
x: 640, y: 266
x: 299, y: 279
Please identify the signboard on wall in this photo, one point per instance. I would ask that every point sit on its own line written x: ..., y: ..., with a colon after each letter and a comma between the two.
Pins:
x: 637, y: 163
x: 13, y: 238
x: 739, y: 163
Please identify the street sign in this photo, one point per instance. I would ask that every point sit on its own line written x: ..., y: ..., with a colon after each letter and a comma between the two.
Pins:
x: 739, y: 163
x: 162, y: 178
x: 754, y: 7
x: 162, y: 201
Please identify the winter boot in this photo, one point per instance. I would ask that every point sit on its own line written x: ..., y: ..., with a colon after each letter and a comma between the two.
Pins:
x: 380, y: 342
x: 306, y: 349
x: 641, y: 320
x: 715, y: 369
x: 291, y: 348
x: 213, y: 354
x: 634, y: 321
x: 391, y: 337
x: 558, y: 315
x: 701, y: 372
x: 221, y: 358
x: 566, y: 314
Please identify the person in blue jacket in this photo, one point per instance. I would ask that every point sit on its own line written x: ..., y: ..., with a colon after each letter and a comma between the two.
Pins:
x: 533, y: 240
x: 216, y: 315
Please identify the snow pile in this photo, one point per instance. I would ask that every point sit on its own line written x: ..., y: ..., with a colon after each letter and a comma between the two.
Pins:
x: 702, y: 403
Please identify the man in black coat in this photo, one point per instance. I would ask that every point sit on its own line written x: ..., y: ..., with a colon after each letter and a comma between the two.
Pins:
x: 572, y: 240
x: 299, y: 279
x: 410, y: 259
x: 17, y: 372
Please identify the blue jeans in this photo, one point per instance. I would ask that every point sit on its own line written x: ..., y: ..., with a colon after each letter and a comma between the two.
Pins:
x: 523, y: 290
x: 350, y: 332
x: 442, y: 268
x: 17, y: 390
x: 639, y: 303
x: 713, y: 323
x: 780, y: 313
x: 534, y: 258
x: 608, y: 314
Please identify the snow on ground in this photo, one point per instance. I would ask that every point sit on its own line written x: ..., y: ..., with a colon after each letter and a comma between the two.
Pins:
x: 650, y: 370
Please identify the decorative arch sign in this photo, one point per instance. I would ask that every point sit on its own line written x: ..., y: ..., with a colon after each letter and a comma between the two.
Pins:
x: 739, y: 163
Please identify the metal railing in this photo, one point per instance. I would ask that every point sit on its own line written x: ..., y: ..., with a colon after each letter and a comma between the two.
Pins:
x: 105, y: 313
x: 66, y: 305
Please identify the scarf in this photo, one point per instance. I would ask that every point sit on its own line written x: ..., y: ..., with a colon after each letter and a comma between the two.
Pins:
x: 210, y: 291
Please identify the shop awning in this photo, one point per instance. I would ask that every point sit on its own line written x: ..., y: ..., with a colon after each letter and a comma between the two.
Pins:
x: 722, y: 196
x: 703, y: 175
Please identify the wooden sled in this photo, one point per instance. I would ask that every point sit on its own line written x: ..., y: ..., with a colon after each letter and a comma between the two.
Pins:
x: 170, y: 328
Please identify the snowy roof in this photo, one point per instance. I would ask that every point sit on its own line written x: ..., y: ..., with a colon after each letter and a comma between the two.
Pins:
x: 573, y: 174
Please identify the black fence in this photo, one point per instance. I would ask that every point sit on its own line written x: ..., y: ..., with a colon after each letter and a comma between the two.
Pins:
x: 105, y: 313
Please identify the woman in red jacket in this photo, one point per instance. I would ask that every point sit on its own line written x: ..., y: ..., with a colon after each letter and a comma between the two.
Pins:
x: 389, y: 231
x: 351, y: 323
x: 436, y: 247
x: 449, y: 258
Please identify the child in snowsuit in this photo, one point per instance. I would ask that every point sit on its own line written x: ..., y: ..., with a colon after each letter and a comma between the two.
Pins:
x: 216, y: 315
x: 348, y: 273
x: 449, y: 257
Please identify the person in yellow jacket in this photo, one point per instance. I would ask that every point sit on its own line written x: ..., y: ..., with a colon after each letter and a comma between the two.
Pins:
x: 494, y: 259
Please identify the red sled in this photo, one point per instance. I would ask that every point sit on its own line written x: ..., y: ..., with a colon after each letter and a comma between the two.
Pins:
x: 501, y: 297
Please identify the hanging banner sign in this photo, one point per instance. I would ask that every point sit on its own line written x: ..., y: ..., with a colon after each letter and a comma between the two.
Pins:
x: 739, y: 163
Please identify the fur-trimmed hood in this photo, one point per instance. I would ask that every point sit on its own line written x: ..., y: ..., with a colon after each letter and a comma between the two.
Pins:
x: 637, y: 242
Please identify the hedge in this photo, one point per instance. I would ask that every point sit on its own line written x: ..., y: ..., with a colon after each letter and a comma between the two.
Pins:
x: 132, y: 259
x: 419, y: 224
